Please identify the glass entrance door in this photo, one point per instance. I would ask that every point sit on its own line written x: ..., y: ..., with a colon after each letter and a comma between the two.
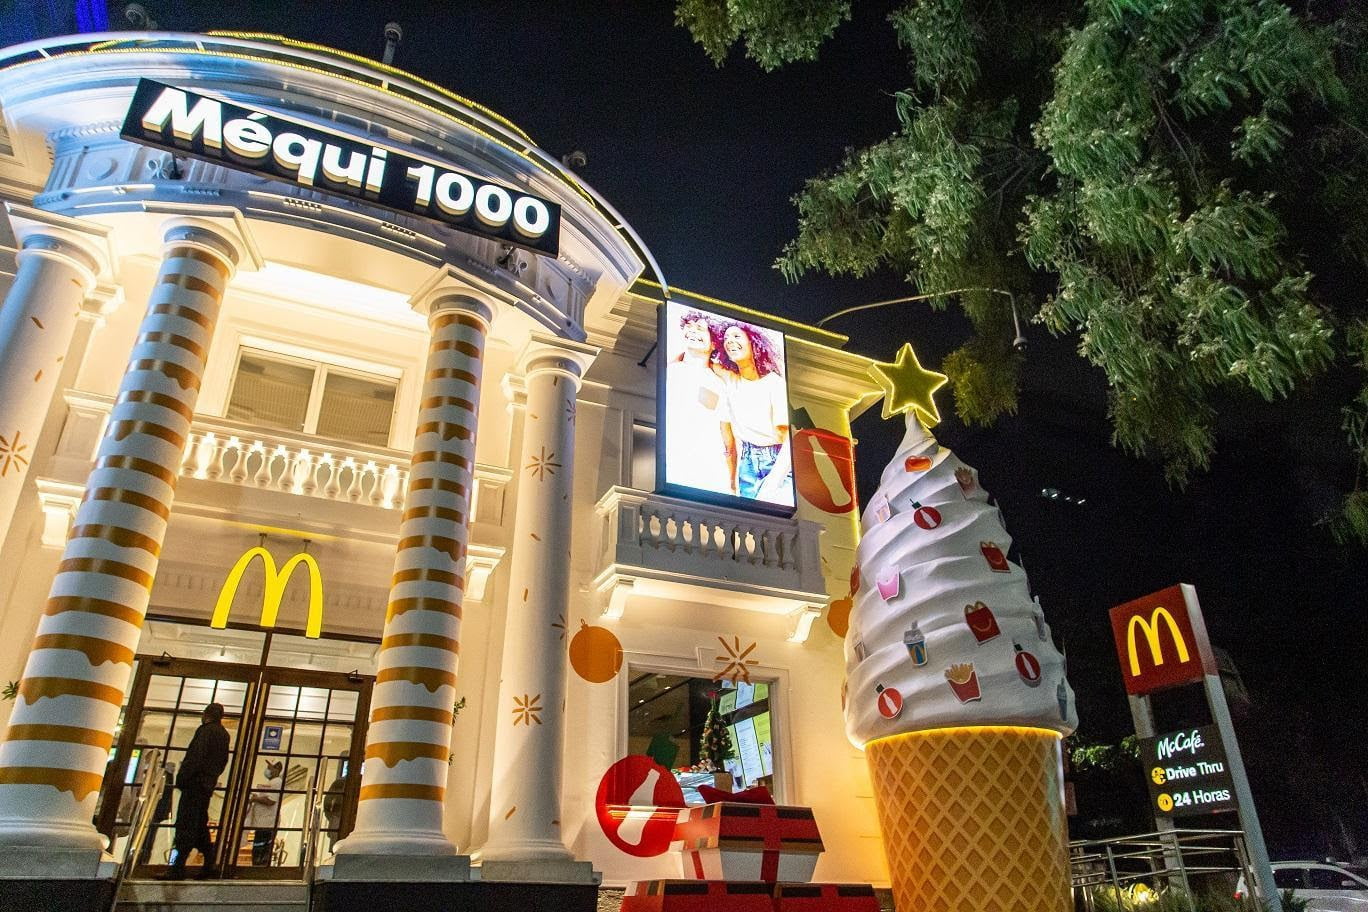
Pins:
x: 289, y: 792
x: 300, y: 774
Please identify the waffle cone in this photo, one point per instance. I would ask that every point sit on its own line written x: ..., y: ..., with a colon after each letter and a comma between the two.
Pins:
x: 973, y: 819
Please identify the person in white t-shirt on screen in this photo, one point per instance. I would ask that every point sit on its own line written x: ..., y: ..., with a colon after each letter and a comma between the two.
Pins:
x: 758, y: 408
x: 700, y: 449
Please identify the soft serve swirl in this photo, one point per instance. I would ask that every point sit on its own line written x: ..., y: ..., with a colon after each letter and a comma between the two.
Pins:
x: 936, y: 595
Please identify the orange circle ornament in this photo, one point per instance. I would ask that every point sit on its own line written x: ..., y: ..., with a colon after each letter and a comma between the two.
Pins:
x: 838, y: 616
x: 595, y: 654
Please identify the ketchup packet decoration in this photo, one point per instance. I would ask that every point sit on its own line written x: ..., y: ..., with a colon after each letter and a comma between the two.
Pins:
x: 926, y: 517
x: 964, y: 477
x: 890, y: 701
x: 992, y: 553
x: 889, y: 581
x: 982, y: 622
x: 1039, y: 618
x: 1028, y: 666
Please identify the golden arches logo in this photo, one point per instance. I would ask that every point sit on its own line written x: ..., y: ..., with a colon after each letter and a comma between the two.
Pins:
x: 1151, y: 632
x: 273, y: 589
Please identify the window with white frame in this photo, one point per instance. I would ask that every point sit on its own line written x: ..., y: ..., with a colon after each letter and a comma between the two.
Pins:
x: 273, y: 390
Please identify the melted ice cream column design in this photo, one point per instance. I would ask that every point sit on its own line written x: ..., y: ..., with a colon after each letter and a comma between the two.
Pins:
x: 943, y: 625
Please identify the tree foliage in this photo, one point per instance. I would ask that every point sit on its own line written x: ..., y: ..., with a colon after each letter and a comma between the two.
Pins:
x: 1177, y: 183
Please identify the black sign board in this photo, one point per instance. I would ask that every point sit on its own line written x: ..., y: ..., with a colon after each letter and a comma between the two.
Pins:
x: 1188, y: 773
x: 276, y: 147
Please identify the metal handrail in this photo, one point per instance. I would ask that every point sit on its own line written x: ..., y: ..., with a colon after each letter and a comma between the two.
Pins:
x: 313, y: 813
x: 1171, y: 857
x: 149, y: 796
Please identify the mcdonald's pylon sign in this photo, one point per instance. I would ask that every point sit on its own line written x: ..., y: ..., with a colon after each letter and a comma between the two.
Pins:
x: 1161, y: 641
x: 273, y: 589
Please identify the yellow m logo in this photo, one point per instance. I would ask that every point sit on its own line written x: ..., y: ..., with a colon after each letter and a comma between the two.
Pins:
x: 273, y: 590
x: 1151, y: 631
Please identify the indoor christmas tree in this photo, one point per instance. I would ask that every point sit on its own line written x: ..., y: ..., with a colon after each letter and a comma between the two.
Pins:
x: 716, y: 744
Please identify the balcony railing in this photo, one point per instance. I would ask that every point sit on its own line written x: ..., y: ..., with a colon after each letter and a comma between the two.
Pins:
x: 221, y: 450
x: 241, y: 454
x: 653, y: 543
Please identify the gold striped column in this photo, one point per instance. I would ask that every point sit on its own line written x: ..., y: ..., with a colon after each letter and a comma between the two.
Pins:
x: 403, y: 782
x: 54, y: 753
x: 525, y: 798
x: 57, y: 269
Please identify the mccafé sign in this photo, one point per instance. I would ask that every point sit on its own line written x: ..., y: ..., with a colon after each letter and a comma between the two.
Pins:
x: 1161, y: 642
x: 166, y: 117
x: 273, y: 589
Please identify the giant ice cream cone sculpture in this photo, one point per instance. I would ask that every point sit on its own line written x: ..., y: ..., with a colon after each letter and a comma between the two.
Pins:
x: 954, y: 688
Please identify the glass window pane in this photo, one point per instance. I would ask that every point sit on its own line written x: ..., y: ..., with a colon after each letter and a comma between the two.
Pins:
x: 271, y: 393
x: 643, y: 457
x: 357, y: 409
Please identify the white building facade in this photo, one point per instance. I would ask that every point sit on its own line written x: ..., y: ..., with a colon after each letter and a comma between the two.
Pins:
x: 457, y: 433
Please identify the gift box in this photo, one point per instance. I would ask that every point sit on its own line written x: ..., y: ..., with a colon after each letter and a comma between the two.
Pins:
x: 698, y: 896
x: 738, y: 896
x: 749, y: 842
x: 804, y: 897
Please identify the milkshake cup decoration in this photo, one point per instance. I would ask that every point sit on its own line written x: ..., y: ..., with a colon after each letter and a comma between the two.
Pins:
x: 916, y: 644
x: 977, y: 710
x: 981, y: 621
x: 964, y: 682
x: 861, y: 652
x: 881, y: 510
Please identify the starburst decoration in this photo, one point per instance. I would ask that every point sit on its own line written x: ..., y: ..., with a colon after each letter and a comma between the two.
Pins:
x: 560, y: 625
x: 909, y: 387
x: 737, y: 663
x: 527, y: 709
x: 12, y: 454
x: 570, y: 412
x: 543, y: 464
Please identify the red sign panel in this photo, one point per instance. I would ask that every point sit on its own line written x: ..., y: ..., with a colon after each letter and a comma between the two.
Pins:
x: 824, y: 469
x: 1161, y: 641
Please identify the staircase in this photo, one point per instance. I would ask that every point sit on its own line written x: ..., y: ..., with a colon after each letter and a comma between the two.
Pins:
x: 213, y: 896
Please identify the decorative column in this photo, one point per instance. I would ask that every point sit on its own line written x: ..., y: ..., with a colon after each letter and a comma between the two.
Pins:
x: 58, y: 264
x: 54, y: 753
x: 403, y: 782
x: 525, y: 803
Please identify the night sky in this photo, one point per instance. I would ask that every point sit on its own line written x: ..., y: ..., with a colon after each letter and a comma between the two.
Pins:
x: 703, y: 162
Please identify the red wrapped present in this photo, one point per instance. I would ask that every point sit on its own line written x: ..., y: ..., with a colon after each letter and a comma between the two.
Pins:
x: 805, y: 897
x: 739, y: 842
x: 698, y: 896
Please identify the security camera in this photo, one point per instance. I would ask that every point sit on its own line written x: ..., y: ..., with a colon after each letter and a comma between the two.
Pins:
x: 393, y: 32
x: 1019, y: 343
x: 575, y: 159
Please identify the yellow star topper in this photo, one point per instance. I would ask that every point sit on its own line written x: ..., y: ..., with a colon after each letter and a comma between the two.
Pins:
x: 909, y: 387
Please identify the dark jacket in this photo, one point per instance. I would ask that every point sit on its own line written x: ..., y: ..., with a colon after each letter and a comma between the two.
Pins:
x: 205, y: 758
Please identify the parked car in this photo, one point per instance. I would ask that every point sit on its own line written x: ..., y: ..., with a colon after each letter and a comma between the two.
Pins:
x: 1326, y: 887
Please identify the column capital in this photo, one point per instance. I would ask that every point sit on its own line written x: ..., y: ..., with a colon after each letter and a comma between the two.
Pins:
x: 223, y: 244
x: 545, y: 353
x: 85, y: 246
x: 100, y: 302
x: 448, y: 289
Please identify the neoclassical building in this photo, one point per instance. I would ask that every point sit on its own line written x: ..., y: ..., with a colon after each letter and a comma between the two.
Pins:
x: 377, y: 473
